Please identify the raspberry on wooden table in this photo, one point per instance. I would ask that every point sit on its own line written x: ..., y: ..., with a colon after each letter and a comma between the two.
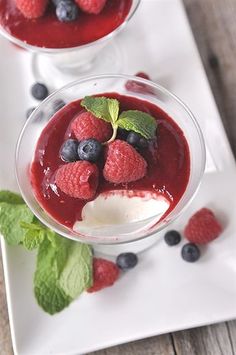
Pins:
x: 79, y: 179
x: 203, y: 227
x: 86, y: 126
x: 123, y: 163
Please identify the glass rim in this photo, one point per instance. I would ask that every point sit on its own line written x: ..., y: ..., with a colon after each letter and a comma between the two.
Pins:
x: 45, y: 50
x: 111, y: 240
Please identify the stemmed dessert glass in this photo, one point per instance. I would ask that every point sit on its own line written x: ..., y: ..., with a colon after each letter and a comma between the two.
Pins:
x: 143, y: 232
x: 59, y: 66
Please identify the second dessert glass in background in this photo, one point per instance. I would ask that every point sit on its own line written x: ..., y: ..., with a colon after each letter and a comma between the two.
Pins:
x: 114, y: 238
x: 58, y: 66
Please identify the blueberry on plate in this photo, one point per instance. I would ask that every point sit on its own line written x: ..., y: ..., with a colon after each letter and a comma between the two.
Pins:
x: 67, y: 11
x: 172, y: 237
x: 90, y: 150
x: 69, y: 150
x: 190, y: 252
x: 29, y: 111
x: 126, y: 261
x: 57, y: 105
x: 39, y: 91
x: 137, y: 140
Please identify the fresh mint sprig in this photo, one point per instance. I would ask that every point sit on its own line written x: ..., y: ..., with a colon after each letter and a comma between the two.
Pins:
x: 133, y: 120
x: 64, y: 267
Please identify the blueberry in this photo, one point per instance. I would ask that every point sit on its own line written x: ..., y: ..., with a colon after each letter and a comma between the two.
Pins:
x: 143, y: 143
x: 126, y: 261
x: 90, y: 150
x: 69, y: 150
x: 190, y: 252
x: 122, y: 134
x: 133, y: 138
x: 172, y: 237
x: 137, y: 140
x: 67, y: 11
x: 39, y: 91
x: 29, y: 111
x: 57, y: 105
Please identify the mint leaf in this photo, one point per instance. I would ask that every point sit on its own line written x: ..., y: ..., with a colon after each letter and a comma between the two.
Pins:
x: 33, y: 239
x: 139, y: 122
x: 102, y: 107
x: 77, y: 273
x: 48, y: 292
x: 10, y: 218
x: 64, y: 270
x: 11, y: 197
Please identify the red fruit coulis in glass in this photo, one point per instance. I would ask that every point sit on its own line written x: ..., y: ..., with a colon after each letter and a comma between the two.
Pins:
x: 167, y: 157
x: 47, y: 31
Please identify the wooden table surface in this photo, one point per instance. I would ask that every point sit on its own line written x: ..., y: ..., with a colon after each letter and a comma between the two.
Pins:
x: 214, y: 26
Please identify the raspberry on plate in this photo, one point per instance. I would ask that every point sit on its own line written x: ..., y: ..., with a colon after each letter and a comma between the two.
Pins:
x: 123, y: 163
x: 139, y: 87
x: 32, y: 9
x: 203, y: 227
x: 105, y: 273
x: 79, y: 179
x: 91, y: 6
x: 86, y: 126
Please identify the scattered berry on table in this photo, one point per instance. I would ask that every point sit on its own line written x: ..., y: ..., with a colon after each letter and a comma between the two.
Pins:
x: 39, y: 91
x: 190, y: 252
x: 79, y: 179
x: 172, y: 237
x: 69, y: 150
x: 67, y: 11
x: 126, y: 261
x: 202, y: 227
x: 105, y: 273
x: 86, y: 126
x: 30, y: 111
x: 137, y: 140
x: 91, y: 6
x: 143, y: 75
x: 32, y: 9
x: 123, y: 163
x: 57, y: 105
x: 90, y: 150
x: 134, y: 86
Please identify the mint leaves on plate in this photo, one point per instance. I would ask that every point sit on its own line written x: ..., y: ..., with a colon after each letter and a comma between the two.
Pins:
x: 132, y: 120
x: 64, y: 266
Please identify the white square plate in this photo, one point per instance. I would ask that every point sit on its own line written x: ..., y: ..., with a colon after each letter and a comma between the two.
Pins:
x: 163, y: 293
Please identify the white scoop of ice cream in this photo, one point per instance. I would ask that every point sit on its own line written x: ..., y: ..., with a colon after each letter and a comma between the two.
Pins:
x: 119, y: 212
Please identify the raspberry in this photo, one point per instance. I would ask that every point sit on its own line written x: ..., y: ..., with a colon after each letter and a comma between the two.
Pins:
x: 91, y: 6
x: 79, y: 179
x: 139, y: 87
x: 202, y: 227
x: 123, y: 163
x: 105, y: 273
x: 86, y: 126
x: 32, y: 8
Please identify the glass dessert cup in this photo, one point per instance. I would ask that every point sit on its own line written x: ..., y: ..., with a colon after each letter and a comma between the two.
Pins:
x: 141, y: 232
x: 56, y: 67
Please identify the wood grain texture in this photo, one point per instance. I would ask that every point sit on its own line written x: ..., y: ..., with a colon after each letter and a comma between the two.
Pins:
x: 5, y: 337
x: 214, y: 26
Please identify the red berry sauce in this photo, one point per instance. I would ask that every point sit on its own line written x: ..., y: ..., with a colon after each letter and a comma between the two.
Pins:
x: 167, y: 157
x: 47, y: 31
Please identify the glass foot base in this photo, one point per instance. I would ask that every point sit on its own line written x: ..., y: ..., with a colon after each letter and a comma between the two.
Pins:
x: 108, y: 60
x: 134, y: 247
